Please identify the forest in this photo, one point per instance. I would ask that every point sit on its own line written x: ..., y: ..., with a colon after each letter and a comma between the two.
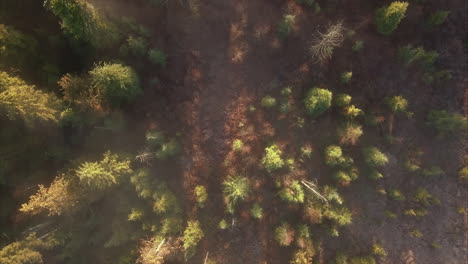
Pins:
x: 233, y: 132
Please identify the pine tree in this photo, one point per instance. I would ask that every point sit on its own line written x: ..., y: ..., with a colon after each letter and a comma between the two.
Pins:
x: 388, y: 17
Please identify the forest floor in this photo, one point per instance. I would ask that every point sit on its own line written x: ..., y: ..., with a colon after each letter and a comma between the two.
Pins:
x: 224, y: 55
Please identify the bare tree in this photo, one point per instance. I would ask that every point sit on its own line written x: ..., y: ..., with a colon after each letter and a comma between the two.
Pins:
x: 324, y: 43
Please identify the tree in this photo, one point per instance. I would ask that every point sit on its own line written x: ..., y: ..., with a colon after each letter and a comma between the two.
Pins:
x: 324, y: 43
x: 26, y: 251
x: 19, y: 100
x: 16, y: 48
x: 157, y: 57
x: 334, y: 157
x: 447, y: 124
x: 292, y: 192
x: 115, y: 83
x: 409, y: 55
x: 388, y: 17
x: 81, y: 20
x: 397, y: 104
x: 286, y: 25
x: 317, y: 101
x: 56, y: 200
x: 272, y: 160
x: 200, y: 195
x: 437, y: 18
x: 268, y: 102
x: 374, y: 157
x: 237, y: 145
x: 284, y: 234
x: 256, y: 211
x: 103, y: 174
x: 349, y: 133
x: 192, y: 235
x: 235, y: 189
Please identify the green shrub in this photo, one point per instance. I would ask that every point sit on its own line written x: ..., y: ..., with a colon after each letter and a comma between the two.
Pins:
x: 268, y: 102
x: 306, y: 151
x: 237, y: 145
x: 116, y: 82
x: 388, y: 17
x: 334, y: 157
x: 358, y: 45
x: 448, y: 124
x: 346, y: 77
x: 284, y: 234
x: 362, y: 260
x: 463, y: 173
x: 135, y: 46
x: 332, y: 195
x: 200, y: 195
x: 154, y: 138
x: 235, y: 189
x: 433, y: 171
x: 286, y: 25
x: 136, y: 214
x: 352, y: 112
x: 341, y: 258
x: 157, y: 57
x: 285, y: 107
x: 437, y: 18
x: 415, y: 233
x: 373, y: 157
x: 222, y: 224
x: 192, y: 235
x: 375, y: 174
x: 423, y: 197
x: 292, y: 192
x: 339, y: 215
x: 272, y: 160
x: 419, y: 55
x: 168, y: 150
x: 303, y: 255
x: 396, y: 195
x: 256, y: 211
x: 343, y: 100
x: 286, y: 91
x: 342, y: 177
x: 349, y: 134
x: 397, y: 104
x: 317, y: 101
x: 378, y: 250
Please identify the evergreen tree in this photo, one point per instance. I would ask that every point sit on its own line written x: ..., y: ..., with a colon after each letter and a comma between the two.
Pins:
x: 388, y: 17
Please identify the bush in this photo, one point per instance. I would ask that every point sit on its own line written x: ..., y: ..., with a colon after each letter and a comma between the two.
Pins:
x: 358, y: 45
x: 346, y: 77
x: 437, y: 18
x: 200, y: 195
x: 306, y: 151
x: 349, y: 134
x: 388, y: 17
x: 397, y: 104
x: 168, y: 150
x: 256, y: 211
x: 396, y: 195
x: 287, y: 91
x: 373, y: 157
x: 284, y: 234
x: 343, y: 100
x: 286, y: 25
x: 222, y: 224
x: 362, y: 260
x: 463, y: 173
x: 317, y: 101
x: 237, y: 145
x: 272, y: 160
x: 115, y: 82
x: 292, y: 192
x: 303, y: 255
x: 268, y: 102
x: 448, y: 124
x: 342, y: 177
x: 154, y: 138
x: 235, y: 189
x: 334, y: 157
x: 192, y: 235
x: 419, y: 55
x: 157, y: 57
x: 352, y: 112
x: 378, y: 250
x: 423, y: 197
x: 339, y: 215
x: 375, y: 174
x: 135, y: 46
